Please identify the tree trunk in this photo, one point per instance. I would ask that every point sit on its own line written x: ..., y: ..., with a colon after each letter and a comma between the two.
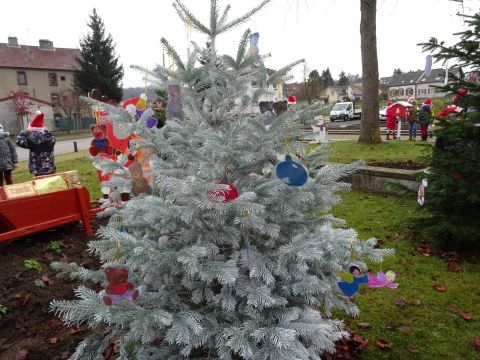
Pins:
x: 369, y: 128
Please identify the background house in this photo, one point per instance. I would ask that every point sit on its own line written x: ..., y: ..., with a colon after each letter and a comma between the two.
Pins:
x: 42, y: 72
x: 417, y: 84
x: 14, y: 123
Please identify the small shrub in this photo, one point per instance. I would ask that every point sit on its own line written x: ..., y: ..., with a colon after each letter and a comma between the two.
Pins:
x: 32, y: 264
x: 55, y: 247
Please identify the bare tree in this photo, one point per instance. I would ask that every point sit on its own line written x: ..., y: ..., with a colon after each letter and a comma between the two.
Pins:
x: 369, y: 128
x: 69, y: 102
x: 21, y: 105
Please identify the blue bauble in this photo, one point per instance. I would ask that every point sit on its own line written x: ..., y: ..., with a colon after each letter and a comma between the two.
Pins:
x: 295, y: 173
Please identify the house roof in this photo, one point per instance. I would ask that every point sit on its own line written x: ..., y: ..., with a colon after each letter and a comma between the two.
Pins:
x: 417, y: 77
x: 404, y: 79
x: 32, y: 57
x: 357, y: 88
x: 28, y: 97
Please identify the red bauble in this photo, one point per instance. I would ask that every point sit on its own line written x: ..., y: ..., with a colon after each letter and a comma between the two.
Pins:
x: 455, y: 97
x: 228, y: 194
x: 457, y: 175
x: 462, y: 92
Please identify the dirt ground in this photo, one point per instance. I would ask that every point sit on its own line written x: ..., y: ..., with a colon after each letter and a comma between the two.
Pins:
x: 28, y: 330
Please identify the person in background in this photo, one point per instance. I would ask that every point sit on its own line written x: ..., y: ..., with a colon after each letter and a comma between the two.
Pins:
x: 412, y: 119
x: 425, y: 118
x: 390, y: 121
x: 40, y: 141
x: 8, y: 158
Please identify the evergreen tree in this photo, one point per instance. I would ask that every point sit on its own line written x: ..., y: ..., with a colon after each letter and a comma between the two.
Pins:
x: 99, y: 66
x: 343, y: 79
x: 327, y: 77
x: 313, y: 87
x: 397, y: 72
x: 453, y: 192
x: 220, y: 275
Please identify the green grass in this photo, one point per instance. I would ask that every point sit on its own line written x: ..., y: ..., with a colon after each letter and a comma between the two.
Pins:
x: 431, y: 327
x: 397, y: 151
x: 74, y: 161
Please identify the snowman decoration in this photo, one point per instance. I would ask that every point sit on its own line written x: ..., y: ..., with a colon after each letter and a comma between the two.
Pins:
x: 319, y: 129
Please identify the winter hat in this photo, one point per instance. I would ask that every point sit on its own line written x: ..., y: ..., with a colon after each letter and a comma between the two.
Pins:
x: 428, y: 102
x: 37, y: 121
x: 292, y: 99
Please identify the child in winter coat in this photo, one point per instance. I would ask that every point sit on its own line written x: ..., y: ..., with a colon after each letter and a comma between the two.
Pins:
x: 8, y: 157
x: 425, y: 118
x: 412, y: 119
x: 40, y: 142
x: 390, y: 121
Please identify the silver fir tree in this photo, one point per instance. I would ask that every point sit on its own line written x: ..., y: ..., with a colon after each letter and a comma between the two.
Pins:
x: 252, y: 278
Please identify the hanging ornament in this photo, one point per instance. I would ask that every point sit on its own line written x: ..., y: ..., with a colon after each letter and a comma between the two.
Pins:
x: 421, y: 192
x: 351, y: 288
x: 462, y: 92
x: 229, y: 194
x: 457, y: 175
x: 294, y: 172
x: 428, y: 65
x: 380, y: 279
x: 253, y: 50
x: 174, y: 106
x: 118, y: 288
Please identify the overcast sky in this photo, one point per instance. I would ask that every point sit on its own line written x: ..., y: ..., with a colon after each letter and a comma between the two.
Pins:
x: 324, y: 32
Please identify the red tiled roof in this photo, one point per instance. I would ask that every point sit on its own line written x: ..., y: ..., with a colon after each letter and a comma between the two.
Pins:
x: 28, y: 97
x: 31, y: 57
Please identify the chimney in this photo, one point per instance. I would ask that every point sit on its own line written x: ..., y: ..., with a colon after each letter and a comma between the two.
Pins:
x: 12, y: 41
x: 45, y: 44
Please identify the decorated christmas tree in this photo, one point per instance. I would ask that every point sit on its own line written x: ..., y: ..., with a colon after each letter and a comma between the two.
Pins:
x: 233, y: 255
x: 453, y: 192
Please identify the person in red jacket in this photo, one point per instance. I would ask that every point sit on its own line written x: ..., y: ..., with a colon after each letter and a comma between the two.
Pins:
x: 390, y: 121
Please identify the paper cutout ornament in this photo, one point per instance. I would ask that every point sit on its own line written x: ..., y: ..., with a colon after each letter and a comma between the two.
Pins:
x: 421, y: 192
x: 118, y: 288
x: 428, y: 65
x: 380, y: 279
x: 293, y: 172
x: 229, y: 194
x: 351, y: 288
x: 254, y: 44
x: 174, y: 106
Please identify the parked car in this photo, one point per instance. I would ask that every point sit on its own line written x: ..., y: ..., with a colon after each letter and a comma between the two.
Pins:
x: 345, y: 111
x: 382, y: 113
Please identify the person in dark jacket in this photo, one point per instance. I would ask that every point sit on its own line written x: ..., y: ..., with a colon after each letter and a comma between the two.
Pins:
x: 40, y: 142
x: 8, y: 157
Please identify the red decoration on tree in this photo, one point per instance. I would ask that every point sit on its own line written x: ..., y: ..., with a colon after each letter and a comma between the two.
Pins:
x: 457, y: 175
x: 118, y: 288
x: 292, y: 99
x: 463, y: 92
x: 228, y: 194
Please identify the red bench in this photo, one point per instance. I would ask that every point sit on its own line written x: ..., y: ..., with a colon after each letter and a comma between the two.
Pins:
x: 28, y: 215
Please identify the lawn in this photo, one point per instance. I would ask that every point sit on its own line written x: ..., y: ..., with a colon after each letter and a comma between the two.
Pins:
x: 393, y: 151
x: 430, y: 327
x: 74, y: 161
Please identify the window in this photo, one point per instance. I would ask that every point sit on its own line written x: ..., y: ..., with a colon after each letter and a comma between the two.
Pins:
x: 52, y: 79
x: 409, y: 91
x: 401, y: 92
x: 54, y: 98
x: 62, y: 78
x: 21, y: 78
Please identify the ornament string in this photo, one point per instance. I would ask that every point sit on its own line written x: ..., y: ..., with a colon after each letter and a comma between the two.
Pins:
x: 247, y: 240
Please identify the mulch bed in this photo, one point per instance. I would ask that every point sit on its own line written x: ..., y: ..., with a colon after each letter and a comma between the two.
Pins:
x: 408, y: 165
x: 28, y: 330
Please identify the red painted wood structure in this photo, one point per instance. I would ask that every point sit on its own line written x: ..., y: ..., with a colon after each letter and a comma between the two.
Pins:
x: 28, y: 215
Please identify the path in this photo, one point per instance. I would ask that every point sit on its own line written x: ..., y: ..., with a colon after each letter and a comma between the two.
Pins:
x: 61, y: 147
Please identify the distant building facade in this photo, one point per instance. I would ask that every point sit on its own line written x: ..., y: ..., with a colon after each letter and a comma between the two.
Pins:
x: 417, y: 84
x: 42, y: 72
